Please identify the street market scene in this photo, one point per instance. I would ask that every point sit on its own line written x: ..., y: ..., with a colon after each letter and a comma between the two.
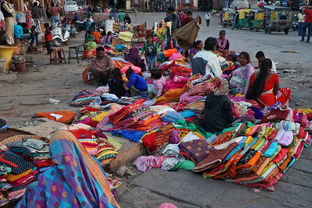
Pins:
x: 157, y: 104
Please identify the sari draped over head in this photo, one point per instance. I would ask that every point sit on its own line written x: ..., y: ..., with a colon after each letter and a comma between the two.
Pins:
x: 76, y: 180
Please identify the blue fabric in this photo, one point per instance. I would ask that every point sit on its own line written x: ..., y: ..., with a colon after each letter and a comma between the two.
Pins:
x: 137, y: 82
x: 67, y: 184
x: 235, y: 150
x: 187, y: 114
x: 18, y: 31
x: 172, y: 116
x: 134, y: 136
x: 271, y: 150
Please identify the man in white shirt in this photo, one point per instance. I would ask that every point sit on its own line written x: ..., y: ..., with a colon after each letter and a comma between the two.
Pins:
x: 207, y: 18
x: 260, y: 56
x: 212, y: 66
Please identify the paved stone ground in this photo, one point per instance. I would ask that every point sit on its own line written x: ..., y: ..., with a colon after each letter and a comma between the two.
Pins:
x: 188, y: 190
x: 30, y: 92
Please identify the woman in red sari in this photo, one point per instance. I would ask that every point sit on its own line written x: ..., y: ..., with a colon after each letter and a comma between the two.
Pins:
x: 264, y: 86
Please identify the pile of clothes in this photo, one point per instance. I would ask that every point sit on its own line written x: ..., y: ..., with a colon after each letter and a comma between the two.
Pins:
x: 20, y: 163
x: 256, y: 151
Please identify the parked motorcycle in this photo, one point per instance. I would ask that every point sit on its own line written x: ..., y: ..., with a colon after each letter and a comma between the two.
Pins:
x: 71, y: 29
x: 80, y: 25
x: 59, y: 35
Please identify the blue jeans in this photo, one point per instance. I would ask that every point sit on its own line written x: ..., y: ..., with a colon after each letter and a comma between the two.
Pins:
x: 54, y: 19
x: 300, y: 28
x: 306, y: 25
x: 34, y: 37
x: 151, y: 62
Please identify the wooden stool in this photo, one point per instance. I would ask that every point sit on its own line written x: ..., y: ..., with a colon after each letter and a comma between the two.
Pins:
x: 76, y: 50
x: 57, y: 55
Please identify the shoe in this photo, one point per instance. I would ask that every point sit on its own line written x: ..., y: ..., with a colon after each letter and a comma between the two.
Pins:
x: 307, y: 41
x: 301, y: 40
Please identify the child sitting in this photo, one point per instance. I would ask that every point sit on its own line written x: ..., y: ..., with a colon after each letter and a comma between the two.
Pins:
x: 157, y: 86
x: 150, y: 50
x: 136, y: 83
x: 34, y: 36
x: 116, y: 83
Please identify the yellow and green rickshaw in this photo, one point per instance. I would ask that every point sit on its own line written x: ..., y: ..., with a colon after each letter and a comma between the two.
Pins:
x: 256, y: 20
x: 243, y: 18
x: 227, y: 17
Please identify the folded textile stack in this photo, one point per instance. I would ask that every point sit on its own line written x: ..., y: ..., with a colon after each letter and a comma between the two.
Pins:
x: 247, y: 154
x: 96, y: 143
x: 20, y: 163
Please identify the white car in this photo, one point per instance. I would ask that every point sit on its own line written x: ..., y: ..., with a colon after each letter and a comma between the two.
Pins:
x: 71, y: 6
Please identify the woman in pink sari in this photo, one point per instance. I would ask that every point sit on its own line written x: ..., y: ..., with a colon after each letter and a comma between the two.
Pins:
x: 223, y: 44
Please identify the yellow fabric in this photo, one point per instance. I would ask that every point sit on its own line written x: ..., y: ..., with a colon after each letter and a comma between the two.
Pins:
x: 99, y: 117
x: 126, y: 36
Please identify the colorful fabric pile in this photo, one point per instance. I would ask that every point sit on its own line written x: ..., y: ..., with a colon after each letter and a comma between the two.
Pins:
x: 21, y: 162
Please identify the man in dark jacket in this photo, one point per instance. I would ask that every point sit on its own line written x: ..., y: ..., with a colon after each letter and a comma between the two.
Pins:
x: 175, y: 24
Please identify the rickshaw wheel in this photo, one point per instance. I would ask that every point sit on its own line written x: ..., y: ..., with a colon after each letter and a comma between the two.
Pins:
x: 269, y: 30
x: 251, y: 29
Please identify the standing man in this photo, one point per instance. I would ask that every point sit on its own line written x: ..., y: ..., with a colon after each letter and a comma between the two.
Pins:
x: 307, y: 23
x: 54, y: 11
x: 101, y: 66
x: 36, y: 15
x: 207, y: 18
x: 8, y: 12
x: 175, y: 21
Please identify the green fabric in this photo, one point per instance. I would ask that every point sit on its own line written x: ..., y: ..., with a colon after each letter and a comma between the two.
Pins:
x: 91, y: 45
x: 116, y: 144
x: 182, y: 124
x: 185, y: 165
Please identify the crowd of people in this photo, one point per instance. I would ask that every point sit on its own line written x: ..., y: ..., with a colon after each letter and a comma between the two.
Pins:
x: 260, y: 85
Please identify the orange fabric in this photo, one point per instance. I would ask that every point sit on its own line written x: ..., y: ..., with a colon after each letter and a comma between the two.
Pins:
x: 67, y: 116
x: 85, y: 75
x: 97, y: 36
x: 169, y: 52
x: 121, y: 64
x: 251, y: 162
x: 12, y: 177
x: 171, y: 95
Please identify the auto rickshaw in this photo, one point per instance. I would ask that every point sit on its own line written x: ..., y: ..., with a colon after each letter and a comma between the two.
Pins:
x: 256, y: 20
x: 243, y: 18
x: 227, y: 17
x: 277, y: 18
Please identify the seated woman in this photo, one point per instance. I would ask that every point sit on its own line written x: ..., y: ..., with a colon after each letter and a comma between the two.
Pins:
x: 198, y: 46
x: 134, y: 57
x: 218, y: 111
x: 107, y: 39
x: 240, y: 76
x: 116, y: 83
x: 264, y: 86
x: 136, y: 84
x: 76, y: 179
x: 223, y: 44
